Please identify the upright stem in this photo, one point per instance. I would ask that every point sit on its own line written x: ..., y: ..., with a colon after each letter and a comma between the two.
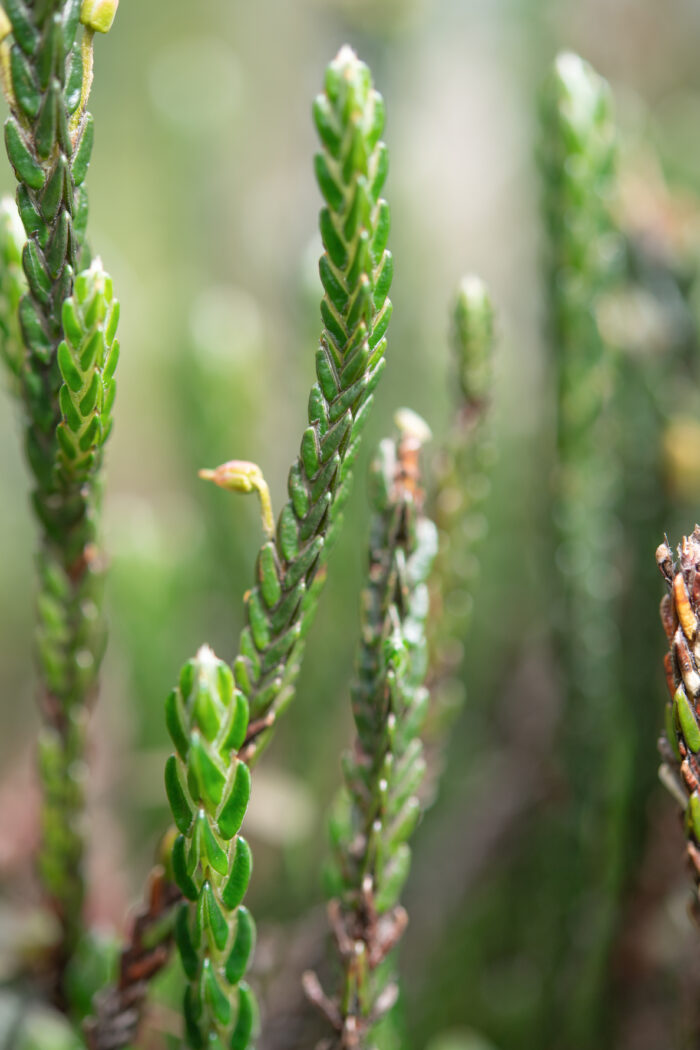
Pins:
x: 49, y: 139
x: 378, y: 808
x: 578, y: 166
x: 356, y: 271
x: 460, y: 482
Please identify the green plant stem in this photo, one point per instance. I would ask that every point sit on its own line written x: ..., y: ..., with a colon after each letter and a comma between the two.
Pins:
x: 48, y: 136
x: 460, y: 481
x: 356, y: 271
x: 208, y: 789
x: 578, y: 149
x: 378, y: 808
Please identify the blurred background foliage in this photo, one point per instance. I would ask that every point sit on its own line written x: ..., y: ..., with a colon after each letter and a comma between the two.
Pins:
x: 203, y: 205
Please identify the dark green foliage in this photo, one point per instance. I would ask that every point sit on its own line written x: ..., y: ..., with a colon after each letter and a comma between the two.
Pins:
x: 578, y: 149
x: 70, y: 630
x: 379, y: 808
x: 356, y: 273
x: 67, y: 391
x: 48, y: 138
x: 208, y: 789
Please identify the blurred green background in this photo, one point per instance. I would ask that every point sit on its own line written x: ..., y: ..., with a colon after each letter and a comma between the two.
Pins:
x: 204, y: 208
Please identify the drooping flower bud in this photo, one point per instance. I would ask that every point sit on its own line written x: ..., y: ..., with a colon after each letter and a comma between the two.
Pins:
x: 98, y: 15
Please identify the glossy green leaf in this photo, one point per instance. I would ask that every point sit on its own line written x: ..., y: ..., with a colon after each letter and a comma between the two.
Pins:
x: 231, y: 815
x: 206, y: 779
x: 238, y: 723
x: 23, y: 27
x: 185, y: 946
x: 687, y: 720
x: 237, y: 883
x: 81, y: 158
x: 210, y: 850
x: 214, y: 995
x: 268, y: 573
x: 177, y: 798
x: 243, y: 946
x: 27, y: 169
x: 23, y: 83
x: 180, y: 873
x: 246, y: 1021
x: 212, y: 916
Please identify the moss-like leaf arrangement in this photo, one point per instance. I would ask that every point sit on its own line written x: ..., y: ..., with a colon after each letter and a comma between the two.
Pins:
x: 64, y: 376
x: 356, y: 271
x: 87, y: 359
x: 577, y: 158
x: 379, y: 808
x: 208, y: 789
x: 460, y: 482
x: 70, y: 628
x: 578, y: 167
x: 578, y: 153
x: 48, y: 136
x: 680, y: 743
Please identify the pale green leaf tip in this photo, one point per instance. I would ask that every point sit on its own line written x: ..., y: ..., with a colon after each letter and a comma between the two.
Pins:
x: 346, y: 59
x: 5, y: 25
x: 582, y: 87
x: 11, y: 227
x: 98, y: 15
x: 97, y: 274
x: 206, y: 659
x: 411, y: 425
x: 473, y: 293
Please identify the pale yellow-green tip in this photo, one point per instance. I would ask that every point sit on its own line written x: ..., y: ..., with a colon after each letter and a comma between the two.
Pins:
x: 411, y: 425
x: 238, y: 475
x: 5, y: 25
x: 98, y: 15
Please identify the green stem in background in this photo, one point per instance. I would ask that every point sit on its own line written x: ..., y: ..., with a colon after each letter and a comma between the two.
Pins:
x: 379, y: 808
x: 67, y: 400
x: 208, y: 789
x: 356, y: 271
x: 578, y: 149
x: 71, y: 632
x: 119, y: 1006
x: 460, y: 483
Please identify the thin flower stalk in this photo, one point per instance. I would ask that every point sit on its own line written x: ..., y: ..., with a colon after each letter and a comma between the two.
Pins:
x: 378, y: 807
